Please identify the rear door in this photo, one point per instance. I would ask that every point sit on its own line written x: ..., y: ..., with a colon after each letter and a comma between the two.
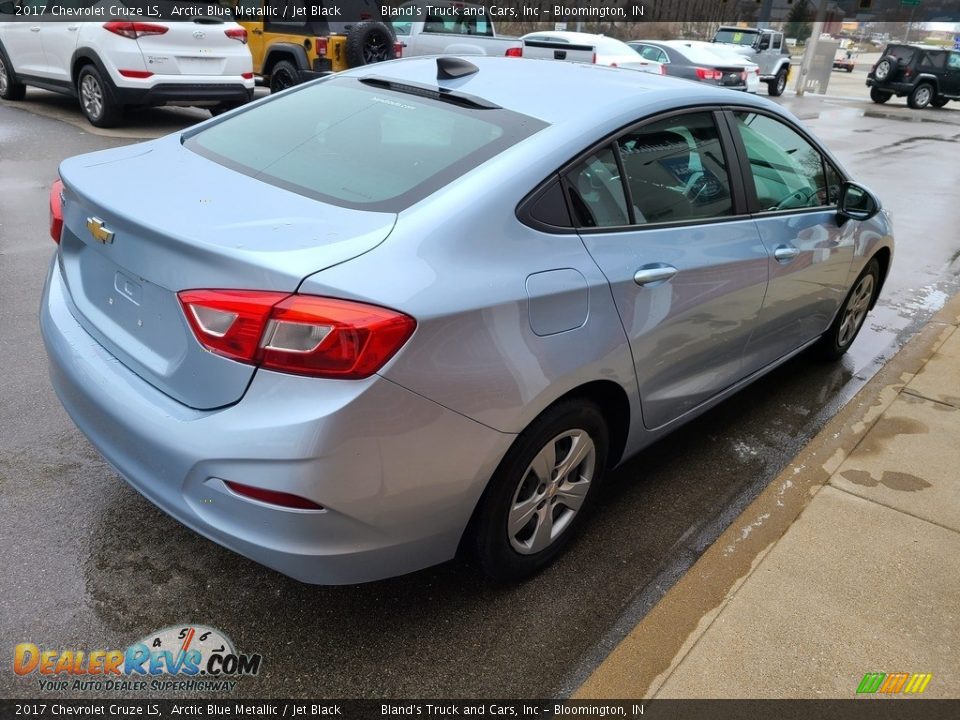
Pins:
x: 793, y: 188
x: 951, y: 80
x: 59, y: 43
x: 21, y: 39
x: 662, y: 212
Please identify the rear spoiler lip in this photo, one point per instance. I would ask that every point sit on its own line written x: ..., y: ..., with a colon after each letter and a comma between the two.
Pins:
x: 558, y: 45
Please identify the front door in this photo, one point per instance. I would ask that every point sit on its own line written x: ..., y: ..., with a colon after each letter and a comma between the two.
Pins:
x: 660, y: 215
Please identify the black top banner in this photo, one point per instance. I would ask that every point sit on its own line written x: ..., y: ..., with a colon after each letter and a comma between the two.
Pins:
x: 437, y: 12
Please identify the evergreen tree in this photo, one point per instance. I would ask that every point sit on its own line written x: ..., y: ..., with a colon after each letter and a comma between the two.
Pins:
x: 799, y: 23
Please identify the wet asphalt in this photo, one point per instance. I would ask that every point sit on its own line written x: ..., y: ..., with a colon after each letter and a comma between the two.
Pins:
x: 88, y: 563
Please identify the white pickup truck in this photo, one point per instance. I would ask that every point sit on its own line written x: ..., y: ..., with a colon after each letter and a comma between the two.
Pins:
x: 435, y: 27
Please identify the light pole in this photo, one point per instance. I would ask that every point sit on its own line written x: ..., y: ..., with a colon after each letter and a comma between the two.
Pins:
x: 810, y: 50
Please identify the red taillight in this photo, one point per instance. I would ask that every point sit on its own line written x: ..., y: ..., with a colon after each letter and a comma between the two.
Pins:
x: 398, y: 49
x: 706, y: 74
x: 274, y: 497
x: 320, y: 44
x: 133, y: 30
x: 663, y: 69
x: 56, y: 210
x: 140, y: 74
x: 236, y: 34
x: 594, y: 59
x: 613, y: 64
x: 247, y: 76
x: 514, y: 52
x: 299, y: 334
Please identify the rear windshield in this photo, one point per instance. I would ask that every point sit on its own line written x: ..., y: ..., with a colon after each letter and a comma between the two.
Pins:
x: 901, y: 52
x: 360, y: 146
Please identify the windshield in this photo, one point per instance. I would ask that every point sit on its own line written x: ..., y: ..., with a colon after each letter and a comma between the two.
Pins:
x: 360, y: 146
x: 735, y: 36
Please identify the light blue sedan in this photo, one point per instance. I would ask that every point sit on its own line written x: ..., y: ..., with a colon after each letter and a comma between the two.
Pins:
x: 424, y: 306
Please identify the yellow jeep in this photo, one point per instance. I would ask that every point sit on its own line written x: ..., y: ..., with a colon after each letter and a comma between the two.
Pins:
x: 290, y: 43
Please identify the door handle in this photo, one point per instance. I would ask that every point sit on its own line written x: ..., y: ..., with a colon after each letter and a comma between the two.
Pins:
x: 657, y: 272
x: 36, y: 28
x: 257, y: 31
x: 785, y: 253
x: 73, y: 28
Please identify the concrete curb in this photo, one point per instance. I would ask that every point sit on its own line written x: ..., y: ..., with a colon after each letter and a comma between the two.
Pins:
x: 646, y: 657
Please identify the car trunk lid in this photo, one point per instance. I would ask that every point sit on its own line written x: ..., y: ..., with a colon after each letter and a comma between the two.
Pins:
x: 127, y: 249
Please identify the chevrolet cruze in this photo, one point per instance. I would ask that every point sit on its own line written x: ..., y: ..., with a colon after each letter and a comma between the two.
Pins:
x: 425, y: 305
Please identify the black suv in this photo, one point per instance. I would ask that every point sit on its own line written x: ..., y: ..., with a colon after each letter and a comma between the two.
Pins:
x: 926, y: 74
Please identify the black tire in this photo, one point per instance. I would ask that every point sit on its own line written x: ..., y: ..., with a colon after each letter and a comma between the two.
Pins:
x: 283, y: 75
x: 921, y: 96
x: 97, y: 101
x: 879, y: 96
x: 369, y: 42
x: 776, y: 86
x: 849, y: 69
x: 838, y: 339
x: 489, y: 535
x: 10, y: 89
x: 224, y: 107
x: 886, y: 69
x: 939, y: 102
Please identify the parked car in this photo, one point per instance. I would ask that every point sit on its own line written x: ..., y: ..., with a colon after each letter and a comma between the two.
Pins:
x: 925, y: 74
x: 586, y: 48
x: 844, y: 60
x: 764, y: 47
x: 453, y: 307
x: 682, y: 60
x: 734, y: 57
x: 292, y: 50
x: 454, y: 28
x: 114, y: 65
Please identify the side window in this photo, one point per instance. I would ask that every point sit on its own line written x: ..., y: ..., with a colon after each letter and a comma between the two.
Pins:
x: 649, y: 53
x: 777, y: 38
x: 953, y: 62
x: 788, y: 172
x: 596, y: 191
x: 676, y: 170
x: 933, y: 60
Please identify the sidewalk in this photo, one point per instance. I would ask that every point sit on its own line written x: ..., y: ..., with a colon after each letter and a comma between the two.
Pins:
x: 848, y: 563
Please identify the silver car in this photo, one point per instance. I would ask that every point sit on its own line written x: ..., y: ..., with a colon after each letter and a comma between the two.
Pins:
x: 425, y: 305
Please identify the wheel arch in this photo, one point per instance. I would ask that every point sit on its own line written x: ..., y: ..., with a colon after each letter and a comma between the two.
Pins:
x: 284, y: 51
x: 85, y: 56
x: 883, y: 256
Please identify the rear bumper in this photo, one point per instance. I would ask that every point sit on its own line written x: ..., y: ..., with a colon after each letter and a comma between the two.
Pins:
x: 367, y: 451
x: 189, y: 93
x: 896, y: 88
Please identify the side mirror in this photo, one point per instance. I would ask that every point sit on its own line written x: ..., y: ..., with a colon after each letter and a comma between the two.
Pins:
x: 856, y: 202
x: 8, y: 8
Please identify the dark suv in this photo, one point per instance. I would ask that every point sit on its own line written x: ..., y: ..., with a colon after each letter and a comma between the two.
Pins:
x: 926, y: 74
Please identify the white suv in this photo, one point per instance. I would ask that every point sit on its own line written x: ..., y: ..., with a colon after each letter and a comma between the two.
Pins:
x: 125, y: 63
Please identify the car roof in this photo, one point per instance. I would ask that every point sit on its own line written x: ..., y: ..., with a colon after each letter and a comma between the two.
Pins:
x: 559, y: 92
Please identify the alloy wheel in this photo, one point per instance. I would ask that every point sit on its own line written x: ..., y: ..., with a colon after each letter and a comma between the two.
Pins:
x: 781, y: 83
x: 551, y: 491
x: 923, y: 96
x: 91, y: 95
x: 4, y: 81
x: 856, y: 310
x: 375, y: 49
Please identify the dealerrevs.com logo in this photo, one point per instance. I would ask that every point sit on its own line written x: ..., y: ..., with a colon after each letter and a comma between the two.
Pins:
x: 180, y: 657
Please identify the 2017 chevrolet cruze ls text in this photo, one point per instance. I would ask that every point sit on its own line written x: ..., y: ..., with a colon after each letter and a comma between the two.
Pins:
x: 425, y: 305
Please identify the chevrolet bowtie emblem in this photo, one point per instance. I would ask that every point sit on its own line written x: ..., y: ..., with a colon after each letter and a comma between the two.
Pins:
x: 99, y: 230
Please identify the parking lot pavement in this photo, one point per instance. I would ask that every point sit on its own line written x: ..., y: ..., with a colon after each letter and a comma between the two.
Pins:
x: 89, y: 563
